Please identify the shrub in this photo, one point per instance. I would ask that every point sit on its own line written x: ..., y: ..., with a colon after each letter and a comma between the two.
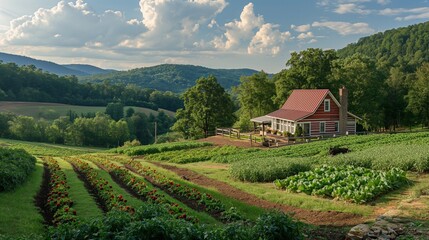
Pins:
x: 15, y: 167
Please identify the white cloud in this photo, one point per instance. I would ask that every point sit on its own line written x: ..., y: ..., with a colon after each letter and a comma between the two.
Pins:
x: 383, y: 2
x: 411, y: 13
x: 351, y: 8
x: 303, y: 36
x: 345, y: 28
x: 267, y: 40
x: 312, y: 41
x: 69, y: 24
x: 251, y: 31
x: 243, y: 29
x: 175, y: 24
x: 301, y: 28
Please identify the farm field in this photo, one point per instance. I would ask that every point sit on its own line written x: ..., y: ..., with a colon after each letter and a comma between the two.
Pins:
x: 54, y: 110
x: 197, y: 189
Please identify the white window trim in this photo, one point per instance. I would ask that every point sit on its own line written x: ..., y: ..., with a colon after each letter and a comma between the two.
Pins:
x: 320, y: 127
x: 329, y: 105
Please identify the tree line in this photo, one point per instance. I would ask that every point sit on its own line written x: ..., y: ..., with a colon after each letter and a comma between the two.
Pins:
x: 27, y: 83
x: 99, y: 130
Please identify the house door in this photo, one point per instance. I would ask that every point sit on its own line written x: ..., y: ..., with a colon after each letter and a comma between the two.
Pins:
x: 307, y: 129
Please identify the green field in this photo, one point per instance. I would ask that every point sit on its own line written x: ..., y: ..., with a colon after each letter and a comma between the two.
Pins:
x: 52, y: 111
x: 382, y: 174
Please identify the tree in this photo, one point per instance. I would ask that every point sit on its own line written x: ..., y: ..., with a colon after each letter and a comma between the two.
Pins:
x: 130, y: 111
x: 115, y: 110
x: 118, y: 132
x: 366, y: 88
x: 207, y: 106
x: 418, y: 96
x: 24, y: 128
x: 308, y: 69
x: 139, y: 128
x: 255, y: 94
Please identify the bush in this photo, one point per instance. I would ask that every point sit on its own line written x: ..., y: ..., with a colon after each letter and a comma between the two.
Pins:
x: 133, y: 143
x: 268, y: 169
x: 15, y: 167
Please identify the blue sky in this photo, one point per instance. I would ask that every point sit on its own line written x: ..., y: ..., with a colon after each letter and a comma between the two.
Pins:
x: 258, y: 34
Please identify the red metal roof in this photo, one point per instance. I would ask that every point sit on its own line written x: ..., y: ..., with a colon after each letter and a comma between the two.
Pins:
x: 301, y: 103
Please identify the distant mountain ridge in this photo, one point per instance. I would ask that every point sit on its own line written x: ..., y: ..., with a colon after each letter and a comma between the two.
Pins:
x: 61, y: 70
x: 171, y: 77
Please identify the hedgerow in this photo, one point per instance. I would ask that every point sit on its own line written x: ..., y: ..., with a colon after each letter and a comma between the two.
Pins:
x: 158, y: 148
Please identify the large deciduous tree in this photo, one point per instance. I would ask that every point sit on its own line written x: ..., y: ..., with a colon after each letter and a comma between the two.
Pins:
x: 418, y: 96
x: 366, y: 88
x: 308, y: 69
x: 256, y: 96
x: 207, y: 106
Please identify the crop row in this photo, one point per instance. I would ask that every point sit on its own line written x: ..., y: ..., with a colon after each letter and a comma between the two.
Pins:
x: 321, y: 148
x: 104, y: 191
x: 140, y: 187
x: 15, y: 167
x: 403, y: 156
x: 204, y: 200
x: 197, y: 154
x: 268, y: 170
x: 158, y: 148
x: 355, y: 184
x: 59, y: 202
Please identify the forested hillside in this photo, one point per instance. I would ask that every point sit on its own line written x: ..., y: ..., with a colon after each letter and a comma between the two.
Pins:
x: 171, y: 77
x: 387, y: 75
x: 27, y: 83
x: 406, y: 47
x: 45, y: 65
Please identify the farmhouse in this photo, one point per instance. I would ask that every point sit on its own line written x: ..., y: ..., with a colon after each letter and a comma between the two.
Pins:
x: 316, y: 111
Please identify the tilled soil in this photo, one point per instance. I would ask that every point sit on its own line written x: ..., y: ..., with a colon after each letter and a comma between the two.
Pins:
x: 322, y: 218
x: 41, y: 199
x: 226, y: 141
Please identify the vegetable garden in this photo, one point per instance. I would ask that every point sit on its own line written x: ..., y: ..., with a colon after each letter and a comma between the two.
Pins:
x: 137, y: 194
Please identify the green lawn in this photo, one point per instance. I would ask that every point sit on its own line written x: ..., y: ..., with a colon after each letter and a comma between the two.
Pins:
x: 18, y: 213
x: 83, y: 203
x: 52, y: 111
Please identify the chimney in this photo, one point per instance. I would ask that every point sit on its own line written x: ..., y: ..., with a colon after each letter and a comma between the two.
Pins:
x: 344, y: 93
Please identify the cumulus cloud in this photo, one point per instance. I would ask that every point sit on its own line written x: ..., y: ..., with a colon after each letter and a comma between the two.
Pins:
x: 352, y: 8
x: 267, y: 40
x: 70, y: 24
x: 174, y: 24
x: 345, y: 28
x: 383, y: 2
x: 301, y: 28
x: 303, y: 36
x: 251, y: 30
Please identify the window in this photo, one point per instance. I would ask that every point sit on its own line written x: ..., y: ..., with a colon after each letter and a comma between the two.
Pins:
x: 337, y: 127
x: 322, y: 127
x: 327, y: 105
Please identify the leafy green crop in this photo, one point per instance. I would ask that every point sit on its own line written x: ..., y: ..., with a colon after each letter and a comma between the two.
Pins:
x: 355, y: 184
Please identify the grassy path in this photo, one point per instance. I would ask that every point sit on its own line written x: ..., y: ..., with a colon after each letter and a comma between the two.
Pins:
x: 84, y: 204
x: 18, y: 213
